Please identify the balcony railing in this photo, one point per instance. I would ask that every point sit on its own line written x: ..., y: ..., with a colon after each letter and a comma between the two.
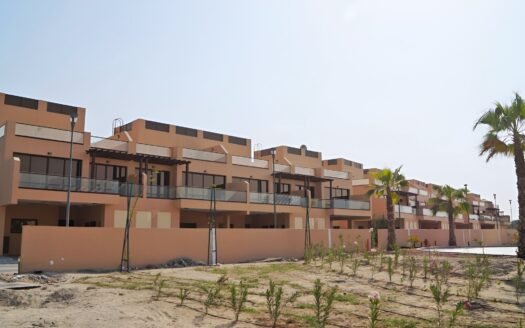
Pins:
x: 350, y: 204
x: 110, y: 144
x: 404, y: 209
x: 203, y: 155
x: 280, y: 199
x: 252, y: 162
x: 205, y: 194
x: 473, y: 217
x: 49, y: 182
x: 304, y: 170
x: 335, y: 174
x: 161, y: 192
x: 130, y: 188
x: 282, y: 168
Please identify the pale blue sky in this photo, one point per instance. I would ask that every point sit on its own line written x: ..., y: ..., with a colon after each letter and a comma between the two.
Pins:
x: 384, y: 83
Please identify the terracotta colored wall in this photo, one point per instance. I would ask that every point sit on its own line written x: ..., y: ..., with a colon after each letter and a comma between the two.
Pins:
x: 70, y: 249
x: 491, y: 237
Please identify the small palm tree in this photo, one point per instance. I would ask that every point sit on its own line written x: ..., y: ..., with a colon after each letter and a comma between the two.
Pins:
x: 454, y: 202
x: 390, y: 182
x: 506, y: 136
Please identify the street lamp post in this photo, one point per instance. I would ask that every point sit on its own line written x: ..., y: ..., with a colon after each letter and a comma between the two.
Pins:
x: 496, y: 212
x: 274, y: 187
x: 510, y: 203
x: 468, y: 214
x: 73, y: 119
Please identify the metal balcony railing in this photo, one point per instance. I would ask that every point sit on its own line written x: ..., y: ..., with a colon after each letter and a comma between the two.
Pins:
x: 60, y: 183
x: 280, y: 199
x: 221, y: 195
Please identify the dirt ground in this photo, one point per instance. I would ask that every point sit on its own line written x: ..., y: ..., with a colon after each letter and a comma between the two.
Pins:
x: 134, y: 299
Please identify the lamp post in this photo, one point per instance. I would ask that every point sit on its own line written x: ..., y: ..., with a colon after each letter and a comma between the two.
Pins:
x: 274, y: 187
x: 468, y: 214
x: 510, y: 203
x: 496, y: 212
x: 73, y: 116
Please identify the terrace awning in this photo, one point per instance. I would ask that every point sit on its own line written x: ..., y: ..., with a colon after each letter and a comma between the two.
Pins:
x: 122, y: 155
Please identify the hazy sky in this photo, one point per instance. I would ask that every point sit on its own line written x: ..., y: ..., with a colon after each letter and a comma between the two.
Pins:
x: 384, y: 83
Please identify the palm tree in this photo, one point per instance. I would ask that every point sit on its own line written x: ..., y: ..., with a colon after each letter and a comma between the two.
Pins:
x: 389, y: 183
x: 506, y: 136
x: 454, y: 202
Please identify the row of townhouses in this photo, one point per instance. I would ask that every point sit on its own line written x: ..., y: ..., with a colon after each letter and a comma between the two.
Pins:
x: 170, y: 172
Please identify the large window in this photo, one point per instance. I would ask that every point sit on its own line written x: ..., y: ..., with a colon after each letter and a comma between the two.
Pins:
x: 155, y: 177
x: 312, y: 190
x: 282, y: 188
x: 109, y: 172
x: 203, y: 180
x: 16, y: 224
x: 48, y: 165
x: 339, y: 193
x: 255, y: 184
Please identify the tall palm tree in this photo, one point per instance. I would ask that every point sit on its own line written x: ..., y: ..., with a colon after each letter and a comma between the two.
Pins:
x: 506, y: 136
x: 390, y: 182
x: 454, y: 202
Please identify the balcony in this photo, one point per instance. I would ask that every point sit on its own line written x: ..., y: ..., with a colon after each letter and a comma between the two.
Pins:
x: 58, y: 183
x: 203, y: 155
x: 40, y: 132
x: 350, y: 204
x: 282, y: 168
x: 304, y: 171
x: 221, y: 195
x: 280, y: 199
x: 130, y: 188
x: 161, y: 192
x: 335, y: 174
x: 153, y: 150
x: 404, y: 209
x: 251, y: 162
x: 109, y: 144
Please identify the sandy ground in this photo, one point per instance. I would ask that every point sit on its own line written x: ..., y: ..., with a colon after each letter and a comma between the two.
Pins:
x: 129, y: 300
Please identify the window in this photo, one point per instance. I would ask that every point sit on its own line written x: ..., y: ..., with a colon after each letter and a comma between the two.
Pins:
x: 332, y: 162
x: 312, y: 190
x: 54, y: 166
x: 295, y: 151
x: 155, y: 177
x: 21, y: 102
x: 61, y: 109
x: 255, y: 184
x: 16, y: 224
x: 203, y: 180
x: 163, y: 127
x: 109, y: 172
x: 185, y: 131
x: 282, y: 188
x: 310, y: 153
x: 237, y: 141
x: 339, y: 193
x: 213, y: 136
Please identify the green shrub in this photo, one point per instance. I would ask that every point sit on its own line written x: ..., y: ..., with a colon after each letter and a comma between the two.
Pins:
x: 275, y: 302
x: 324, y: 301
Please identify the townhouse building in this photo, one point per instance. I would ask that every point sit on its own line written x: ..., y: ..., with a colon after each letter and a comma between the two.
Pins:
x: 171, y: 173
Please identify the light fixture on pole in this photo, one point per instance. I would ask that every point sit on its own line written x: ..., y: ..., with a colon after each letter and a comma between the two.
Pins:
x: 273, y: 151
x: 73, y: 117
x: 510, y: 204
x: 496, y: 212
x: 468, y: 214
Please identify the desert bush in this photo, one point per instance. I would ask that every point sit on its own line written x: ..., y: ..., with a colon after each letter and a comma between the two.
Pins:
x: 426, y: 262
x: 458, y: 309
x: 519, y: 285
x: 390, y: 268
x: 440, y: 295
x: 478, y: 274
x: 324, y: 300
x: 413, y: 241
x: 397, y: 253
x: 275, y: 302
x: 374, y: 304
x: 213, y: 293
x: 355, y: 266
x: 330, y: 257
x: 158, y: 285
x: 183, y: 294
x: 412, y: 270
x: 238, y: 298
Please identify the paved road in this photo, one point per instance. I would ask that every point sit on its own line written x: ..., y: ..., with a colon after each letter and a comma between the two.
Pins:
x: 8, y: 264
x: 8, y: 268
